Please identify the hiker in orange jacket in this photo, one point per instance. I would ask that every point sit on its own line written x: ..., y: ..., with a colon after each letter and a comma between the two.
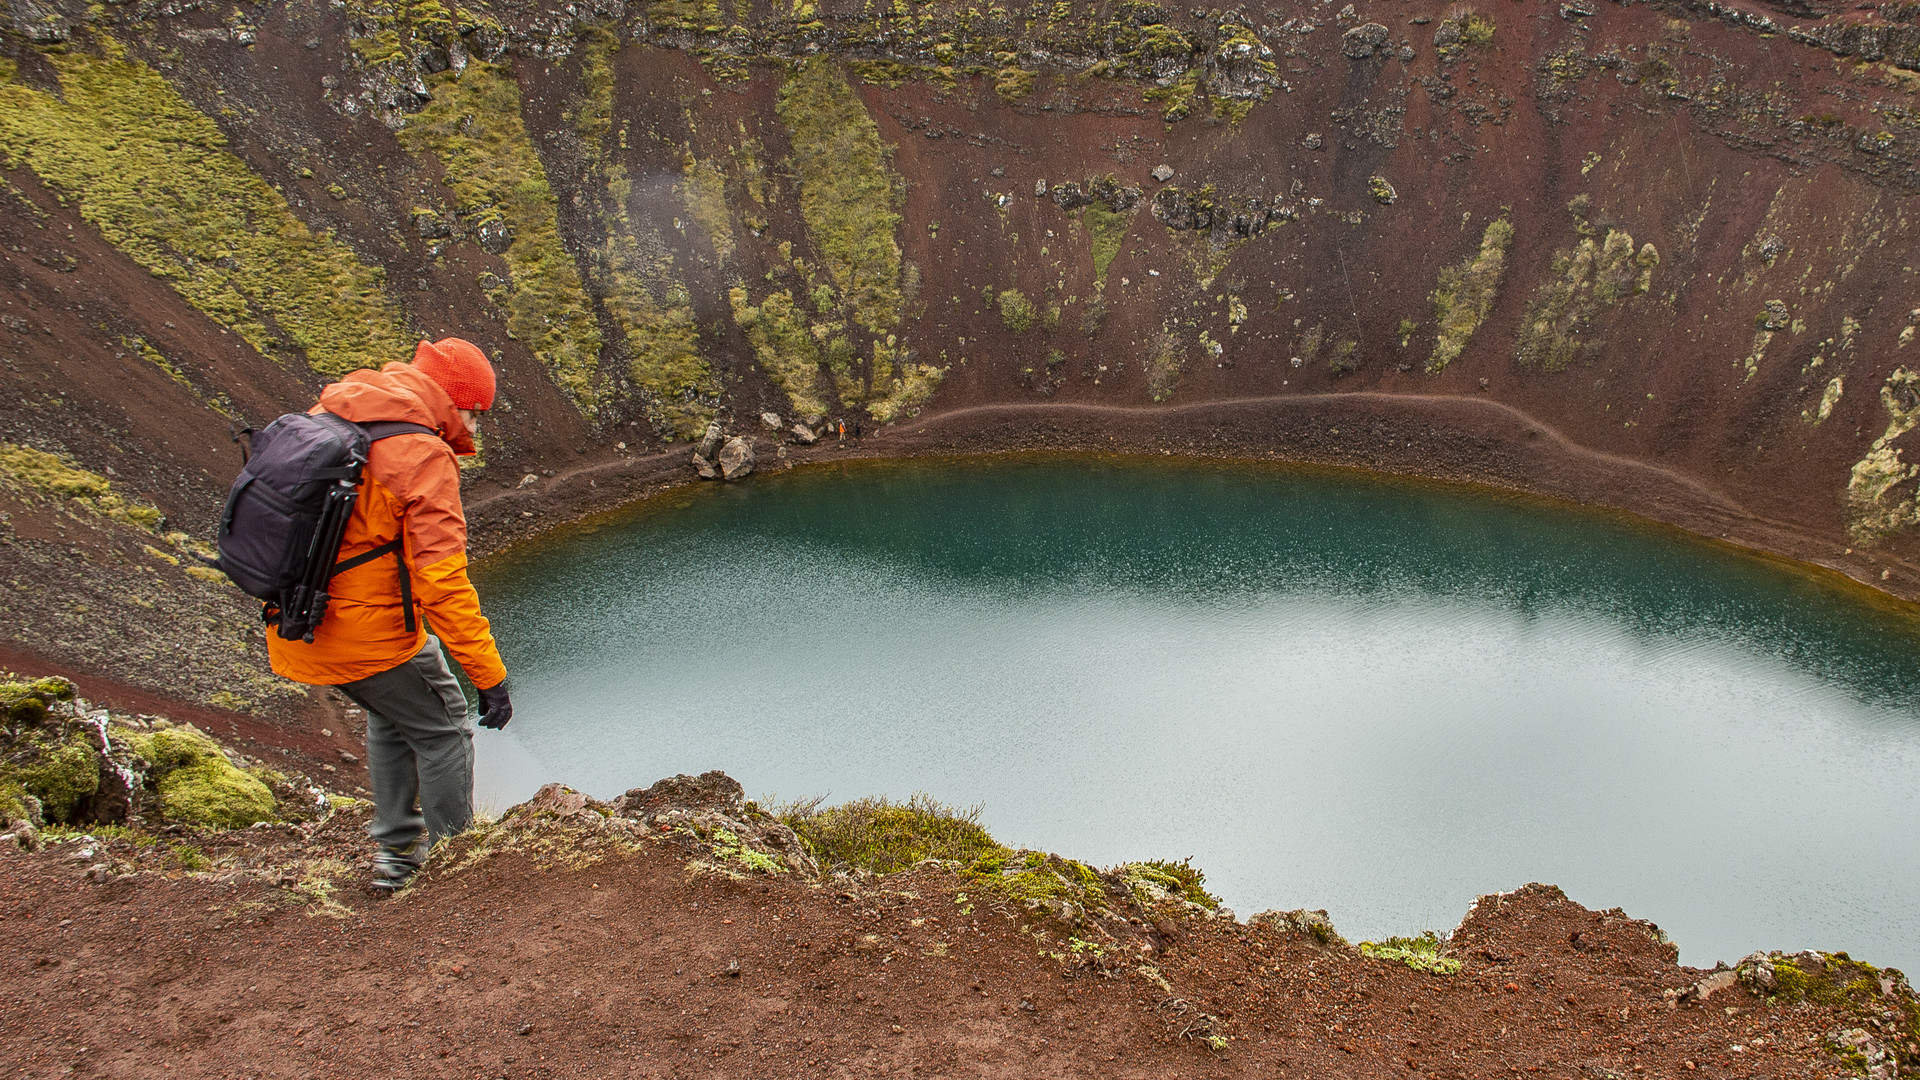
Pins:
x: 374, y: 645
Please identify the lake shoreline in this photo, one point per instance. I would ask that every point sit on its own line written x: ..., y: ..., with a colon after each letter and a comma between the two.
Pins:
x: 1474, y: 443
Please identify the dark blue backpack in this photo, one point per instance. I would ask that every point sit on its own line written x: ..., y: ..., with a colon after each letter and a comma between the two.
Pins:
x: 287, y: 511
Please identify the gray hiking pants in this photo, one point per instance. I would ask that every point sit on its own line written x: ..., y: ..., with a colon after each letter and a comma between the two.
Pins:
x: 419, y: 747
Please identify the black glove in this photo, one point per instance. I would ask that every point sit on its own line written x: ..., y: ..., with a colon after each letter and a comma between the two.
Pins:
x: 495, y: 707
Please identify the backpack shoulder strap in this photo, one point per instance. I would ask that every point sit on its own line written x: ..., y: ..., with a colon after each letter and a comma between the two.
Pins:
x: 387, y: 429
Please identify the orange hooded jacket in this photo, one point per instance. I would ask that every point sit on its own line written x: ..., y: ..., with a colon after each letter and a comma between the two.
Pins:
x: 411, y: 491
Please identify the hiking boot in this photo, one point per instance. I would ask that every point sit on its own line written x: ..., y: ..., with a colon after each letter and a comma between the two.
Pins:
x: 394, y: 867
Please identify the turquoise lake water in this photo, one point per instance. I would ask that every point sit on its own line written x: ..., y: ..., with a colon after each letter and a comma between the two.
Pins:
x: 1372, y: 697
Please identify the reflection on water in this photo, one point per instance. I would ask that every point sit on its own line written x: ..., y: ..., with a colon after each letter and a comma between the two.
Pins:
x: 1378, y: 699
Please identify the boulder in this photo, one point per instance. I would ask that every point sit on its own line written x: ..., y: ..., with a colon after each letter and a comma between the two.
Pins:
x: 704, y: 467
x: 1163, y: 173
x: 736, y: 458
x: 804, y: 435
x: 771, y: 421
x: 40, y: 23
x: 710, y: 442
x: 1364, y: 41
x: 494, y: 237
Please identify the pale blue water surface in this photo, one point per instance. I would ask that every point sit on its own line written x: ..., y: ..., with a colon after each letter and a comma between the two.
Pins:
x: 1378, y: 698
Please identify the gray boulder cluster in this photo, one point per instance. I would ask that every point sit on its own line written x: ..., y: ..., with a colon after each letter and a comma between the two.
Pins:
x: 1222, y: 218
x: 1104, y: 190
x: 721, y: 458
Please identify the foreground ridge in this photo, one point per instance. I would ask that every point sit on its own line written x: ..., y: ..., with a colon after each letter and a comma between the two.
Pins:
x: 682, y: 930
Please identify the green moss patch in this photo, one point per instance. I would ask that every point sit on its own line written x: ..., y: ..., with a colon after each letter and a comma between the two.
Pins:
x: 900, y: 386
x: 1016, y: 310
x: 1108, y: 231
x: 1463, y: 295
x: 1587, y: 279
x: 1879, y: 1001
x: 155, y: 177
x: 37, y: 472
x: 784, y: 344
x: 26, y: 703
x: 474, y: 127
x: 13, y: 802
x: 1165, y: 358
x: 1180, y: 879
x: 884, y: 837
x: 651, y: 307
x: 61, y: 777
x: 848, y: 190
x: 197, y: 783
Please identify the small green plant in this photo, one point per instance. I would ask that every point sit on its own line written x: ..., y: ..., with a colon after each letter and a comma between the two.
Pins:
x: 190, y: 858
x: 1182, y: 879
x: 1420, y: 953
x: 728, y: 848
x: 1016, y: 310
x: 1340, y: 360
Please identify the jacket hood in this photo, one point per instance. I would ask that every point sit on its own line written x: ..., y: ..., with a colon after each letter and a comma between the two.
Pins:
x: 398, y: 392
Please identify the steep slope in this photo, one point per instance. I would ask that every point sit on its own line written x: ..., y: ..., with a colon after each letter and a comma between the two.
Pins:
x: 1650, y: 256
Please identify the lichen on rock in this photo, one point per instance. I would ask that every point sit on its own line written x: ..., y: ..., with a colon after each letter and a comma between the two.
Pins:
x: 1878, y: 504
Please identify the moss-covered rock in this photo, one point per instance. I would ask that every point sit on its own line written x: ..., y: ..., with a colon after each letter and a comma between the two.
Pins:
x: 26, y: 703
x: 61, y: 777
x: 196, y: 782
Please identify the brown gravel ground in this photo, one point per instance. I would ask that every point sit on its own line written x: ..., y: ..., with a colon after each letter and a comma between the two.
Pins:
x: 635, y: 965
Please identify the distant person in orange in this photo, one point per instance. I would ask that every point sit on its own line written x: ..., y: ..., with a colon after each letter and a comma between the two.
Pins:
x: 404, y: 556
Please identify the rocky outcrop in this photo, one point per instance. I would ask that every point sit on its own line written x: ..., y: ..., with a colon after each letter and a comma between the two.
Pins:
x: 1223, y: 219
x: 708, y: 814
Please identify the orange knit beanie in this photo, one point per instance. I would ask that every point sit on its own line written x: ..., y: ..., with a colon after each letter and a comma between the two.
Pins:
x: 460, y: 368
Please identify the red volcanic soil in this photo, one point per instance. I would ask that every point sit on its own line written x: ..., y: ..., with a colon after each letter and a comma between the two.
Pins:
x: 634, y: 966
